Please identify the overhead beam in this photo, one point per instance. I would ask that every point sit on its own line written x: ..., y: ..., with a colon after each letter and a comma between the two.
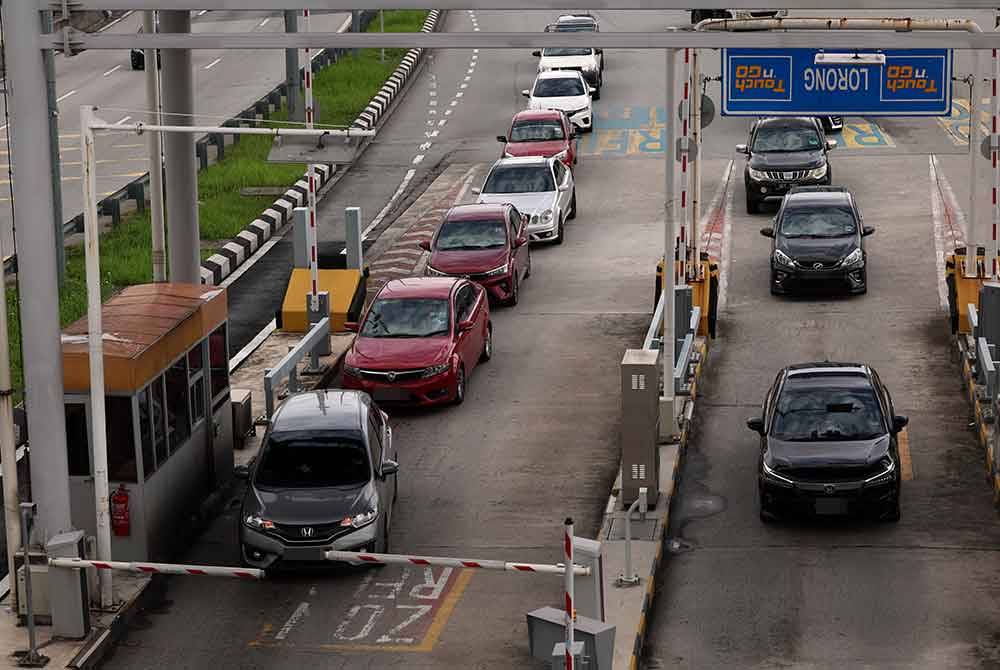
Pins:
x: 659, y: 40
x: 607, y: 5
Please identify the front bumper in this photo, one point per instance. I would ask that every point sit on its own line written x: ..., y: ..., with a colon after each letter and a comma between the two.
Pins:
x: 582, y: 119
x: 767, y: 190
x: 417, y: 393
x: 499, y: 288
x: 790, y: 280
x: 818, y: 499
x: 264, y: 551
x: 543, y: 232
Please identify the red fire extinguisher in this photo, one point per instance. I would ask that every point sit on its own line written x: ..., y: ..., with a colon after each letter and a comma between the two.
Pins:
x: 120, y: 522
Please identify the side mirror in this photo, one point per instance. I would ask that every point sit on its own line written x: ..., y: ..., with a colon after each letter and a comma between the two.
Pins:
x: 563, y: 187
x: 592, y: 90
x: 831, y: 144
x: 756, y: 424
x: 351, y: 326
x: 476, y: 191
x: 425, y: 245
x: 899, y: 423
x: 600, y: 51
x: 465, y: 326
x: 767, y: 232
x: 526, y: 93
x: 389, y: 467
x: 242, y: 472
x: 536, y: 54
x: 501, y: 139
x: 520, y: 242
x: 867, y: 230
x: 741, y: 149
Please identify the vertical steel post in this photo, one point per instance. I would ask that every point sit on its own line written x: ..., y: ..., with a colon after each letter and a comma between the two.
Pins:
x: 696, y: 165
x: 159, y: 250
x: 355, y: 26
x: 975, y: 139
x: 669, y: 243
x: 568, y: 587
x: 994, y: 148
x: 685, y: 143
x: 32, y: 658
x: 39, y: 289
x: 95, y: 348
x: 8, y: 449
x: 292, y: 82
x: 313, y: 234
x: 381, y: 29
x: 50, y: 93
x: 182, y: 172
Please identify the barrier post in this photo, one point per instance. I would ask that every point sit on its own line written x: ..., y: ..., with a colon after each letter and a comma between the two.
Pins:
x: 568, y: 582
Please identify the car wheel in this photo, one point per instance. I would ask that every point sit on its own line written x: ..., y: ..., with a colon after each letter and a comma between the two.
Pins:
x: 560, y: 232
x: 515, y: 290
x: 527, y: 270
x: 460, y: 386
x: 597, y: 93
x: 572, y: 206
x: 488, y: 344
x: 753, y: 207
x: 895, y: 512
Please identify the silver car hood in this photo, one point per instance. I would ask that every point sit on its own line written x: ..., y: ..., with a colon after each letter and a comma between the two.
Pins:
x: 526, y: 203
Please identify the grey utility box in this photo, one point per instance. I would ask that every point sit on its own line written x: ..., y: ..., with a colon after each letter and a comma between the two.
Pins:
x: 989, y: 312
x: 682, y: 317
x: 68, y: 595
x: 547, y: 628
x: 640, y: 425
x: 589, y: 591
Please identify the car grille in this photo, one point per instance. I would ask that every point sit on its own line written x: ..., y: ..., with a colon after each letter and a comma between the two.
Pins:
x: 793, y: 175
x: 321, y: 533
x: 575, y: 111
x: 390, y: 376
x: 817, y: 263
x: 834, y: 473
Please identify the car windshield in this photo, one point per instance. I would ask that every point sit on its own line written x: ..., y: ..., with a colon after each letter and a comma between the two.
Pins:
x: 807, y: 413
x: 542, y: 130
x: 456, y: 235
x: 576, y: 27
x: 301, y: 460
x: 520, y: 179
x: 819, y: 222
x: 566, y: 51
x: 785, y: 139
x: 558, y: 87
x: 407, y: 317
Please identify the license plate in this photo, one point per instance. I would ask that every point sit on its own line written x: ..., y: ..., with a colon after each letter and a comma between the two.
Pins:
x: 831, y: 506
x: 391, y: 395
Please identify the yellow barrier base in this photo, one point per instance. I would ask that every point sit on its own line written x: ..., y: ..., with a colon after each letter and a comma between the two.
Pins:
x: 700, y: 290
x: 342, y: 285
x: 963, y: 290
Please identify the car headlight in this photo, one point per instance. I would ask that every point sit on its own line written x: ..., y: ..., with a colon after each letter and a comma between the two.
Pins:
x: 431, y: 271
x: 546, y: 216
x: 887, y: 474
x: 781, y: 258
x: 773, y: 476
x: 818, y: 173
x: 590, y: 67
x: 435, y: 370
x: 855, y: 258
x: 257, y: 522
x: 352, y: 371
x: 756, y: 175
x: 562, y: 155
x: 359, y: 520
x: 496, y: 272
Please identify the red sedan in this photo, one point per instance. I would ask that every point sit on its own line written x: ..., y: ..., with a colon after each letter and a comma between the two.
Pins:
x: 485, y: 243
x: 541, y: 132
x: 419, y: 340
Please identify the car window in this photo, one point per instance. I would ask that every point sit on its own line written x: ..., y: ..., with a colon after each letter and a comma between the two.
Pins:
x: 519, y: 179
x: 560, y: 170
x: 407, y: 317
x: 537, y: 130
x: 307, y: 460
x: 567, y: 51
x: 817, y: 222
x: 785, y: 139
x: 465, y: 299
x: 514, y: 220
x: 375, y: 439
x: 808, y: 412
x: 469, y: 235
x: 558, y: 87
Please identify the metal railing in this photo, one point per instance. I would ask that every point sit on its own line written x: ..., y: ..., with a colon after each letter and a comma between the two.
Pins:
x: 685, y: 349
x: 310, y: 344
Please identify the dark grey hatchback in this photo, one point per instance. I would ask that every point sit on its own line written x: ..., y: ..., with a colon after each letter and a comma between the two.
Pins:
x: 325, y: 479
x: 828, y: 443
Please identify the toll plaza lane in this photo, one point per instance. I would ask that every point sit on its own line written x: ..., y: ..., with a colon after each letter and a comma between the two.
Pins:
x: 917, y: 594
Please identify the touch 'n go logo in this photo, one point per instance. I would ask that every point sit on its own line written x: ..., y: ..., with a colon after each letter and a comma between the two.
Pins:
x: 899, y: 78
x: 758, y: 77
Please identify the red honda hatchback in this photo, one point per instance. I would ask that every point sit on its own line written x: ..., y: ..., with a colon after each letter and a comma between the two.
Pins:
x: 485, y: 243
x: 419, y: 340
x: 541, y: 132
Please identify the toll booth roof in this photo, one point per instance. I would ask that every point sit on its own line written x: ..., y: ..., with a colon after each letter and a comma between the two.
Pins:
x: 146, y: 328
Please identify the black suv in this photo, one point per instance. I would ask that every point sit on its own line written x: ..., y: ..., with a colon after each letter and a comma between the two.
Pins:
x: 818, y: 241
x: 828, y: 443
x: 325, y: 479
x: 783, y: 152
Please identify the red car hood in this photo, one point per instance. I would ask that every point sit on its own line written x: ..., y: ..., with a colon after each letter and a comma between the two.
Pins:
x: 468, y: 261
x: 386, y: 353
x: 550, y: 148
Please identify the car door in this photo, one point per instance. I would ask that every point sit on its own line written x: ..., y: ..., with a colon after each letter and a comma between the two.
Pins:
x: 464, y: 339
x: 569, y: 132
x: 377, y: 451
x: 518, y: 254
x: 564, y: 187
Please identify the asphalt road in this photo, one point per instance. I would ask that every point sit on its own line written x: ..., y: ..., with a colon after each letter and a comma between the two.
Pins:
x: 225, y: 83
x: 537, y: 439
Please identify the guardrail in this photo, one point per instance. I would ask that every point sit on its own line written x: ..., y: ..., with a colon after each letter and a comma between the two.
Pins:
x: 684, y: 351
x: 310, y: 344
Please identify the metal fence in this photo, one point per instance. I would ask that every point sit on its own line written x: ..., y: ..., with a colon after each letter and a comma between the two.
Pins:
x: 687, y: 317
x: 311, y: 344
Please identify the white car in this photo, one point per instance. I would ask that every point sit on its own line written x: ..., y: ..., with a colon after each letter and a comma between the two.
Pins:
x: 566, y: 91
x: 585, y: 61
x: 540, y: 188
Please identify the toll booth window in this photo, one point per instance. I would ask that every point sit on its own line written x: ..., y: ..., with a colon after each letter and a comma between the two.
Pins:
x: 178, y: 407
x: 146, y: 434
x: 218, y: 361
x: 121, y: 438
x: 197, y: 382
x: 77, y: 439
x: 159, y: 416
x: 195, y: 362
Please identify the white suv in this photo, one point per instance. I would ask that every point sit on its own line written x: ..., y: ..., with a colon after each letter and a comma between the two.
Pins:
x: 585, y: 61
x: 566, y: 91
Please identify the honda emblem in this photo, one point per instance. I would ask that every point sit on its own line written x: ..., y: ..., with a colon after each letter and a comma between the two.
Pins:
x: 307, y: 531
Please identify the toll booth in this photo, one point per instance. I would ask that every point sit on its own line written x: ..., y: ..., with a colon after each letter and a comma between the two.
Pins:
x: 167, y: 407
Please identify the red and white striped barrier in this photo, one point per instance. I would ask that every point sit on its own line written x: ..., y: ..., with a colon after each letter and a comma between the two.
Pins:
x: 159, y: 568
x: 681, y: 273
x: 312, y: 234
x: 475, y: 563
x: 568, y: 586
x: 994, y: 139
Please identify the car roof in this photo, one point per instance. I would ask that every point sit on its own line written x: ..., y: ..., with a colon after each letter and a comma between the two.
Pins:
x: 329, y: 410
x: 419, y: 287
x: 826, y: 370
x: 809, y: 199
x: 787, y: 121
x: 521, y: 160
x: 559, y: 74
x: 527, y: 114
x: 476, y: 212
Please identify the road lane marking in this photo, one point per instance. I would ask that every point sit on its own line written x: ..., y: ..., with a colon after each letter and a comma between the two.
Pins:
x: 115, y: 22
x: 203, y: 12
x: 418, y: 159
x: 905, y: 458
x: 113, y: 70
x: 863, y: 134
x: 213, y: 64
x: 392, y: 201
x: 64, y: 96
x: 301, y: 611
x: 264, y: 22
x: 938, y: 218
x: 122, y: 120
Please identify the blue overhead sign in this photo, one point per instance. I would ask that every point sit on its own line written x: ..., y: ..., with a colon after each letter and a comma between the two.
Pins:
x: 813, y: 82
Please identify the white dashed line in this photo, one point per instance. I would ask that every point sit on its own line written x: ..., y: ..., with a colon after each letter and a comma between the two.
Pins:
x: 434, y: 133
x: 388, y: 206
x: 475, y: 29
x: 460, y: 94
x: 300, y: 611
x: 475, y: 51
x: 463, y: 86
x: 65, y: 95
x: 213, y: 64
x: 122, y: 120
x: 418, y: 159
x: 448, y: 112
x: 432, y: 112
x: 425, y: 146
x: 470, y: 70
x: 113, y: 70
x: 442, y: 122
x: 433, y: 103
x: 115, y: 22
x: 263, y: 23
x: 203, y: 12
x: 433, y: 93
x: 453, y: 103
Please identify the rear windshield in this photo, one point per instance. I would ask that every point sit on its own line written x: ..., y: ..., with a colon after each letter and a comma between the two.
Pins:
x: 537, y: 131
x: 567, y: 51
x: 558, y: 87
x: 301, y: 461
x: 520, y: 179
x: 810, y: 413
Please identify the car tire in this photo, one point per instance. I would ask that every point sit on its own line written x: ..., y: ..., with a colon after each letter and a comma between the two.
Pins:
x: 753, y: 207
x: 515, y: 290
x: 488, y: 344
x: 572, y: 206
x: 895, y: 512
x: 460, y: 384
x: 527, y: 270
x: 560, y: 232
